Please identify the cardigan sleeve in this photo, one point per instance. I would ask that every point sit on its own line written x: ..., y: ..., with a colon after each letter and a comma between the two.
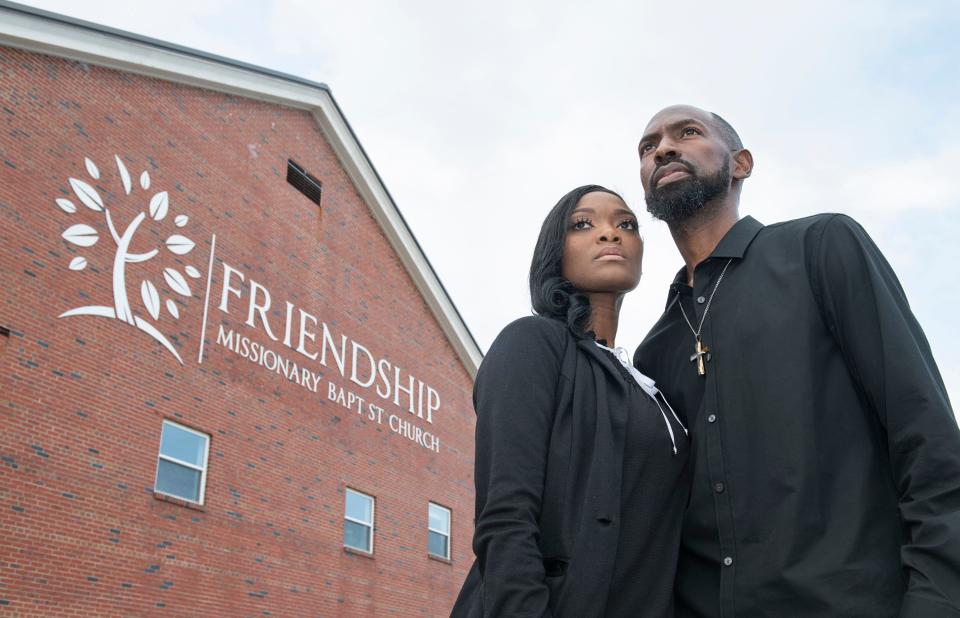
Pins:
x: 514, y: 396
x: 888, y: 355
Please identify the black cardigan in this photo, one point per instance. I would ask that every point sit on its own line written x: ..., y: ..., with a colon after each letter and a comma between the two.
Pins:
x: 551, y: 422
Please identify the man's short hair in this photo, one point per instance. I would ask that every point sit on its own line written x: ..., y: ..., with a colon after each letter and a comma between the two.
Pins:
x: 728, y: 133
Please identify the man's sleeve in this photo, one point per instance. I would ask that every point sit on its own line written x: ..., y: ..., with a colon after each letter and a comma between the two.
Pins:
x: 515, y: 396
x: 888, y: 354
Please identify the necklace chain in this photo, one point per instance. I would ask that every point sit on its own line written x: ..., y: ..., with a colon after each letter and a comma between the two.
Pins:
x: 696, y: 333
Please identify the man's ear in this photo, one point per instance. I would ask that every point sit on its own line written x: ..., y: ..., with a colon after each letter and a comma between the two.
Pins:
x: 742, y: 164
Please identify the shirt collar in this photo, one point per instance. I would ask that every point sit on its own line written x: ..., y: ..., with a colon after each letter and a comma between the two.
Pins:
x: 733, y: 245
x: 735, y: 242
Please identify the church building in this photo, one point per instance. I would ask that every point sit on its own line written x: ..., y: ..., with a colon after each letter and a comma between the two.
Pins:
x: 232, y: 384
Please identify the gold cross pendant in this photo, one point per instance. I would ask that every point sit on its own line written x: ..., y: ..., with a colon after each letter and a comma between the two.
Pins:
x: 701, y: 351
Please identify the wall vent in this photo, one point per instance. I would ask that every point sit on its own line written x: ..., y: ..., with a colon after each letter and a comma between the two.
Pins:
x: 304, y: 182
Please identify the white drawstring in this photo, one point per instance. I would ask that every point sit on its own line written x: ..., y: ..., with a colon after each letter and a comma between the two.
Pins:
x: 674, y: 415
x: 648, y: 385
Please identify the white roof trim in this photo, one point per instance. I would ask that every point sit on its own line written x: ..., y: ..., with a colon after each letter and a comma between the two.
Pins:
x: 34, y: 30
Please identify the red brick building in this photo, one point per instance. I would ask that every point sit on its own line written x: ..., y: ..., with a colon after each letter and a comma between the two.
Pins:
x: 232, y: 385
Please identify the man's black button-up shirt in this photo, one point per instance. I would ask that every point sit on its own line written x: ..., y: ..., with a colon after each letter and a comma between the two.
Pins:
x: 826, y: 456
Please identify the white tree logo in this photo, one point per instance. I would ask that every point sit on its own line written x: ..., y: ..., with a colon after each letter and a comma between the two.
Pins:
x: 83, y: 235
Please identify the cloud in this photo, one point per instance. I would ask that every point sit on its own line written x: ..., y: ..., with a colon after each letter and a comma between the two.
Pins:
x: 927, y: 183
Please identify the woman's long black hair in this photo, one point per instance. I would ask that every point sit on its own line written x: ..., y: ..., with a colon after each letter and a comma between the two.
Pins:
x: 551, y: 295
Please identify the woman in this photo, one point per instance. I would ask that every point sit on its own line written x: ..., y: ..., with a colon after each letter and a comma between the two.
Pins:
x: 581, y: 475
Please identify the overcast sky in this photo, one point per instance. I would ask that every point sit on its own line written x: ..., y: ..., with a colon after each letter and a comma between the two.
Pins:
x: 479, y: 116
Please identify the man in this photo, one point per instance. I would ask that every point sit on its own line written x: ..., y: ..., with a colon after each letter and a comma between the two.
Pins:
x: 826, y: 456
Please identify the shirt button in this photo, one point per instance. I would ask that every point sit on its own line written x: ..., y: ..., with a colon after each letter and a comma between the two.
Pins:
x: 712, y: 418
x: 727, y: 561
x: 718, y: 488
x: 701, y: 299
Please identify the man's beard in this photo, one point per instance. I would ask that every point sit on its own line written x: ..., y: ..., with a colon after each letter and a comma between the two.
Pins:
x: 681, y: 199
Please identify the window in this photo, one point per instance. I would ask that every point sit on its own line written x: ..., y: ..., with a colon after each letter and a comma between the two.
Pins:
x: 438, y: 525
x: 182, y: 467
x: 358, y: 521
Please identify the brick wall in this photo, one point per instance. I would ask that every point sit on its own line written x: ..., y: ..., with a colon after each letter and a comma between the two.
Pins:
x: 82, y: 398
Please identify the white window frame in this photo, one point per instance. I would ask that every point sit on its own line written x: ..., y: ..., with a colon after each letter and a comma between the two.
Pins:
x: 373, y: 517
x: 186, y: 464
x: 448, y: 533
